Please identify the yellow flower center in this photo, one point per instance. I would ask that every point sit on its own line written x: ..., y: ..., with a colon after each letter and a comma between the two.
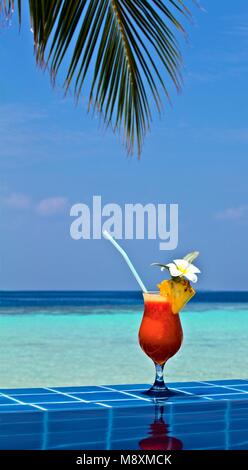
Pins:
x: 182, y: 270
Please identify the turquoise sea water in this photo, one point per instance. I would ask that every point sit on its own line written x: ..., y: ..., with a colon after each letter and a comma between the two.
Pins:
x: 73, y: 345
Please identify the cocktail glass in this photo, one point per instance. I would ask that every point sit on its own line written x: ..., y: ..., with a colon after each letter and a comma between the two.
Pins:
x: 160, y: 336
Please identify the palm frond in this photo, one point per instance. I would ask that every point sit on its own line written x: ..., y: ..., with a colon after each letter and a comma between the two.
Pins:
x: 119, y: 47
x: 6, y: 11
x: 190, y: 257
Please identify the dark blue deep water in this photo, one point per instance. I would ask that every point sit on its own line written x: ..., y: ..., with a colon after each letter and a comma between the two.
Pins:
x: 94, y: 298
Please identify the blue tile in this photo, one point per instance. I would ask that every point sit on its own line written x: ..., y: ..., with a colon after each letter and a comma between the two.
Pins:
x: 199, y: 406
x: 194, y: 390
x: 197, y: 422
x: 20, y: 414
x: 239, y: 437
x: 140, y: 421
x: 184, y: 385
x: 125, y: 445
x: 183, y: 396
x: 228, y: 382
x: 127, y: 403
x: 208, y: 391
x: 21, y: 391
x: 204, y: 426
x: 205, y: 440
x: 242, y: 404
x: 5, y: 401
x: 135, y: 413
x: 75, y: 425
x: 238, y: 424
x: 184, y: 399
x: 79, y: 446
x: 83, y: 436
x: 242, y: 446
x: 77, y: 389
x: 45, y: 398
x: 78, y: 411
x: 238, y: 409
x: 24, y: 442
x: 195, y: 416
x: 242, y: 388
x: 71, y: 406
x: 102, y: 396
x: 15, y: 408
x: 233, y: 396
x: 128, y: 434
x: 21, y: 428
x: 130, y: 387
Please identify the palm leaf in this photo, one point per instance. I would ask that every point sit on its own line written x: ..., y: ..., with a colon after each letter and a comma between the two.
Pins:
x: 6, y: 11
x: 161, y: 266
x: 116, y: 45
x: 190, y: 257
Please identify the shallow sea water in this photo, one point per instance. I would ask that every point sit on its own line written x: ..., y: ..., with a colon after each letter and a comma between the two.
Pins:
x: 52, y: 346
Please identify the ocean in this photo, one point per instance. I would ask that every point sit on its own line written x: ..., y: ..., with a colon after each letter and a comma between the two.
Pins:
x: 81, y: 338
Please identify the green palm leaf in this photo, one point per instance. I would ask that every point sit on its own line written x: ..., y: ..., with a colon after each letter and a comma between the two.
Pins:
x: 117, y: 46
x: 190, y: 257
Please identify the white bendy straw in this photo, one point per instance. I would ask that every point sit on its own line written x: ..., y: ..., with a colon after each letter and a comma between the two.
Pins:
x: 126, y: 258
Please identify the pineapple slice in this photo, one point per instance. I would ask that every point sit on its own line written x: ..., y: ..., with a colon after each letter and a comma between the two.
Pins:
x: 178, y: 292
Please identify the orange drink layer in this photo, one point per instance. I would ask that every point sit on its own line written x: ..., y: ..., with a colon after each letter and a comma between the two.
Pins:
x: 160, y: 334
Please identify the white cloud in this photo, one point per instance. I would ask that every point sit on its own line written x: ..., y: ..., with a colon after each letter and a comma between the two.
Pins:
x: 233, y: 213
x: 17, y: 201
x: 44, y: 207
x: 51, y: 206
x: 238, y: 30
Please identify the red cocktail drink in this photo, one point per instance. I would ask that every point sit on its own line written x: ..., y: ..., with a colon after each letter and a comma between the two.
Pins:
x: 160, y: 335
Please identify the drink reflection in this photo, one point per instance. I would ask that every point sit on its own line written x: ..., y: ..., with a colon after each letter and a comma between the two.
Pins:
x: 158, y: 434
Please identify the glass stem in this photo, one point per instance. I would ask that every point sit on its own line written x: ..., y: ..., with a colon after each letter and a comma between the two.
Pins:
x: 159, y: 379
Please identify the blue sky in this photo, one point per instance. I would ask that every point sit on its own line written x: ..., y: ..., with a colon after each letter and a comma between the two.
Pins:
x: 52, y: 155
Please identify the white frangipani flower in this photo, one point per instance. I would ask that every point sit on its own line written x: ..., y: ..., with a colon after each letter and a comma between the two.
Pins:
x: 181, y: 267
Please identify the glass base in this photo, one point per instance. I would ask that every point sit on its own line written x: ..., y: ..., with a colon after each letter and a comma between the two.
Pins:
x: 158, y: 392
x: 159, y: 389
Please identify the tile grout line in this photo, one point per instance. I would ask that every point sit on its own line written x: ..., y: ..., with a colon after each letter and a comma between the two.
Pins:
x: 110, y: 429
x: 66, y: 395
x: 116, y: 399
x: 76, y: 398
x: 191, y: 394
x: 234, y: 389
x: 125, y: 393
x: 22, y: 403
x: 45, y: 431
x: 227, y: 428
x: 102, y: 404
x: 97, y: 391
x: 226, y: 387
